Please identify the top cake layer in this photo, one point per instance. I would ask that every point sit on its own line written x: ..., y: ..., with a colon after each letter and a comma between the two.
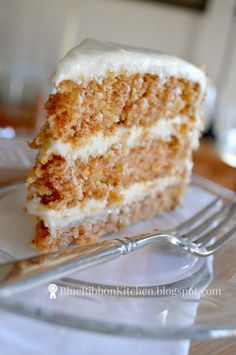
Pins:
x: 93, y: 59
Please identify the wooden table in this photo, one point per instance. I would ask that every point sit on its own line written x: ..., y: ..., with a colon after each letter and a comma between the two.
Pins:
x: 208, y: 164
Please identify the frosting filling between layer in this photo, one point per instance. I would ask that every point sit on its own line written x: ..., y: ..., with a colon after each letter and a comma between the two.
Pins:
x: 98, y: 144
x: 60, y: 218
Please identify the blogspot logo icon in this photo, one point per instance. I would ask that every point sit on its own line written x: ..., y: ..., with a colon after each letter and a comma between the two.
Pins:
x: 52, y: 288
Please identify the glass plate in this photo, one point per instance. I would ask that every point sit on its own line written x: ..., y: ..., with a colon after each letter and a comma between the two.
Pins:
x: 156, y: 292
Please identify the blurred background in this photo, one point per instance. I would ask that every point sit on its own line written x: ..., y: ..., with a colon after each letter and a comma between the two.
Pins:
x: 35, y: 34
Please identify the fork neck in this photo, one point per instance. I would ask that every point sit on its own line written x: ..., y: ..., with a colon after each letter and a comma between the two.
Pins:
x: 138, y: 241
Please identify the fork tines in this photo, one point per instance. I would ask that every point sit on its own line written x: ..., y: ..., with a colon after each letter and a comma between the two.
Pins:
x: 201, y: 229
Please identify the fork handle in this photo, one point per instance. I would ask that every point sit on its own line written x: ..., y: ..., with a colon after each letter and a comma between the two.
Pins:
x: 26, y: 273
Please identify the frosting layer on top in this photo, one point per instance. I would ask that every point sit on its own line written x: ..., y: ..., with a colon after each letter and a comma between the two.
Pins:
x: 92, y: 59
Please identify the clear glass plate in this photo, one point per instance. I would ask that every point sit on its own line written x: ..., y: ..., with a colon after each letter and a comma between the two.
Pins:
x: 156, y: 292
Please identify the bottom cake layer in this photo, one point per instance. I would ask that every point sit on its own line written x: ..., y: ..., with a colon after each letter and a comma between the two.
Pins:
x: 90, y: 228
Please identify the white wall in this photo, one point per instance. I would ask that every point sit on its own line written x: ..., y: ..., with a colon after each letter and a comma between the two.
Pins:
x: 138, y: 23
x: 37, y: 33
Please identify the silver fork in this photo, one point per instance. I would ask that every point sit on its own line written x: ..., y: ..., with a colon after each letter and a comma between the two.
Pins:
x: 201, y: 235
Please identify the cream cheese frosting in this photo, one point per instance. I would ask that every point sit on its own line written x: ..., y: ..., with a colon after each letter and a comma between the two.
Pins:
x: 98, y: 144
x: 60, y: 218
x: 92, y: 59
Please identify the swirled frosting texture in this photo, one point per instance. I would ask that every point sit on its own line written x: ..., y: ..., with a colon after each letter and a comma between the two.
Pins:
x: 92, y: 59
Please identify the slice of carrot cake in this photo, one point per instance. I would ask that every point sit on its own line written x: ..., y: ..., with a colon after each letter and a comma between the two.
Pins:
x: 117, y: 144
